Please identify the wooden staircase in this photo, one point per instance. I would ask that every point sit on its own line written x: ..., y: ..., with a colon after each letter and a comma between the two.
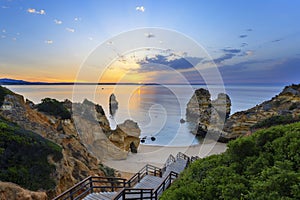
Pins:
x: 148, y: 183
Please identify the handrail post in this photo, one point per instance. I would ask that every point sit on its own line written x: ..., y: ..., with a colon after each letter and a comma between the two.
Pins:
x: 147, y: 169
x: 91, y: 184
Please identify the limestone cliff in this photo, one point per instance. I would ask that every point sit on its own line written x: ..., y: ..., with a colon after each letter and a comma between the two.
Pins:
x: 126, y: 136
x: 13, y: 191
x: 210, y: 116
x: 286, y: 103
x: 83, y: 138
x: 77, y: 162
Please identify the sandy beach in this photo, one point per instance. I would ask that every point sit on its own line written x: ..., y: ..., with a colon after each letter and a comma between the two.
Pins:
x: 157, y: 155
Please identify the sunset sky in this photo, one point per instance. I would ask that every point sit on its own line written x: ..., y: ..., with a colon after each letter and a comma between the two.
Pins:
x: 249, y: 41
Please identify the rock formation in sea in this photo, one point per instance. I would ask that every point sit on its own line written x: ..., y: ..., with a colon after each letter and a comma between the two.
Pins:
x: 213, y: 117
x: 203, y: 113
x: 84, y: 137
x: 113, y: 105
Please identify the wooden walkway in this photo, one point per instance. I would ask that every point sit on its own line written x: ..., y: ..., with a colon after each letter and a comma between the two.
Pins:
x: 147, y: 182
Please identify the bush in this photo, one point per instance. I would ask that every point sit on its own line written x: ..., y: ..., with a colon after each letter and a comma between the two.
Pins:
x: 3, y: 92
x: 54, y: 108
x: 275, y: 120
x: 264, y: 165
x: 24, y: 157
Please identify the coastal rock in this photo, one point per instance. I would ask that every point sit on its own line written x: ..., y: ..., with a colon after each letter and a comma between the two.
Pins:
x: 198, y: 108
x: 113, y: 104
x: 204, y: 113
x: 126, y: 136
x: 77, y: 161
x: 10, y: 191
x: 286, y: 103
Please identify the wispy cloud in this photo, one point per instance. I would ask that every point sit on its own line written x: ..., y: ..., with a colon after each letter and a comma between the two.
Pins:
x: 249, y: 29
x: 34, y: 11
x: 140, y: 8
x: 173, y: 61
x: 244, y: 44
x: 231, y: 50
x: 70, y: 30
x: 243, y: 36
x: 4, y: 7
x: 277, y: 40
x: 49, y: 41
x: 77, y: 19
x: 221, y: 59
x: 56, y: 21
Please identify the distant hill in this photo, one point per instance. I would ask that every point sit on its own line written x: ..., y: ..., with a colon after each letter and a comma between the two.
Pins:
x: 7, y: 81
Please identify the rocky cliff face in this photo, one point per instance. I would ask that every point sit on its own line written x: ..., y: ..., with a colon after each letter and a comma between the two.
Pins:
x: 13, y: 191
x: 77, y: 162
x: 84, y: 138
x: 210, y: 115
x: 286, y: 103
x: 126, y: 136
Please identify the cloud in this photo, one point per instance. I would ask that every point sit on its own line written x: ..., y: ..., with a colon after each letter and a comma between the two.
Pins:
x: 49, y: 41
x: 90, y: 38
x: 5, y: 7
x: 221, y: 59
x: 277, y: 40
x: 249, y: 29
x: 160, y: 62
x: 243, y: 36
x: 140, y: 8
x: 70, y: 30
x: 56, y: 21
x: 262, y: 71
x: 244, y: 44
x: 77, y: 19
x: 34, y: 11
x: 233, y: 51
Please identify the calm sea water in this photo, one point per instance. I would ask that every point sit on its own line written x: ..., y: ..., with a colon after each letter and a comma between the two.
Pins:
x: 156, y: 109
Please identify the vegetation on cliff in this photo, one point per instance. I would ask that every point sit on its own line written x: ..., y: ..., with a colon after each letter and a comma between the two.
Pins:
x: 3, y: 92
x: 54, y: 107
x: 264, y: 165
x: 24, y: 157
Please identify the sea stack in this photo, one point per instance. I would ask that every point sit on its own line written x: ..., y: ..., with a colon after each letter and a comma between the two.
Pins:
x: 113, y: 105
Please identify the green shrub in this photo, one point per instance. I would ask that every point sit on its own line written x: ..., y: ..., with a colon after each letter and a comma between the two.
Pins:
x: 3, y: 92
x: 54, y: 107
x: 24, y: 157
x: 264, y: 165
x: 109, y: 172
x: 275, y: 120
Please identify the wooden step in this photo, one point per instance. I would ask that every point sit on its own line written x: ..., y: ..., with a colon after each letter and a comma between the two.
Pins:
x: 100, y: 196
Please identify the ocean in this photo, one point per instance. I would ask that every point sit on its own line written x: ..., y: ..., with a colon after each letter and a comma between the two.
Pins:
x: 156, y: 108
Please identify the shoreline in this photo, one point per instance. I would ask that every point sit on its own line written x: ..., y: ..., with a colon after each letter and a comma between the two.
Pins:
x: 157, y: 155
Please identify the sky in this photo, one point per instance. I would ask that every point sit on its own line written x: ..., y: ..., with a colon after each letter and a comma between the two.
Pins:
x: 247, y: 41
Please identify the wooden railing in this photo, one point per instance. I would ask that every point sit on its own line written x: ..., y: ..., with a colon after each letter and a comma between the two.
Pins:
x: 111, y: 184
x: 146, y: 170
x: 165, y: 184
x: 90, y: 185
x: 194, y: 158
x: 134, y: 194
x: 171, y: 159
